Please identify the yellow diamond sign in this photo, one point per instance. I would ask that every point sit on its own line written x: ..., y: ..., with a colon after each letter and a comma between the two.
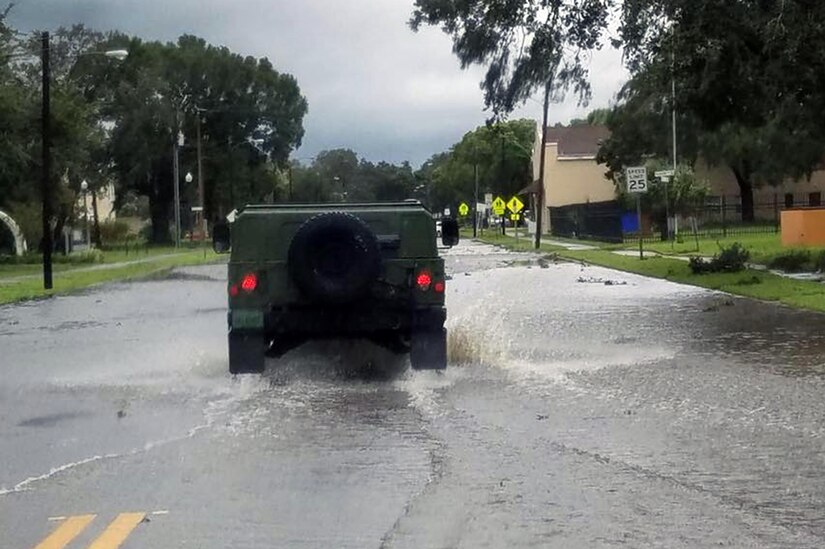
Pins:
x: 463, y: 209
x: 515, y: 205
x: 499, y: 206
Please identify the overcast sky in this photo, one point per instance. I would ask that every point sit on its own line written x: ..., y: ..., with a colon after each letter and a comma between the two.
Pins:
x: 372, y: 84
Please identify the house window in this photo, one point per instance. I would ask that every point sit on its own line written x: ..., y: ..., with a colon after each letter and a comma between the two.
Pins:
x: 789, y: 200
x: 815, y: 199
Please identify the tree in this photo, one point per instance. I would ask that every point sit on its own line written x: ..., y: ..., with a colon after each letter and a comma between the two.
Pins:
x: 682, y: 195
x: 749, y: 75
x: 75, y: 130
x: 250, y: 115
x: 388, y: 182
x: 340, y: 175
x: 526, y: 45
x: 502, y: 153
x: 339, y: 169
x: 596, y: 117
x: 757, y: 155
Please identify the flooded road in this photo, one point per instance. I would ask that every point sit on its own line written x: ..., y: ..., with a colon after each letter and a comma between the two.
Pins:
x: 582, y: 408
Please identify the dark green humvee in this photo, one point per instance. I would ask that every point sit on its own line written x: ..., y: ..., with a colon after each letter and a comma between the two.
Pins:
x: 303, y: 272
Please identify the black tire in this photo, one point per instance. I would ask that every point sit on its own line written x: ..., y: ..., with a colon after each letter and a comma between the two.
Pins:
x: 429, y: 350
x: 334, y: 258
x: 247, y: 353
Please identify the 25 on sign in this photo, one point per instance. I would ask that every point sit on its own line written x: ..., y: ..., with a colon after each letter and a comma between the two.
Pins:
x: 636, y: 180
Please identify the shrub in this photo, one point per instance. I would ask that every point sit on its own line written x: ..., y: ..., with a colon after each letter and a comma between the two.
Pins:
x: 732, y: 259
x: 819, y: 261
x: 793, y: 261
x: 87, y: 256
x: 698, y: 265
x: 729, y: 260
x: 114, y: 231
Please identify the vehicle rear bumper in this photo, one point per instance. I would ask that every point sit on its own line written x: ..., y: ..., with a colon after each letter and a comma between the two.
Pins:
x: 348, y: 321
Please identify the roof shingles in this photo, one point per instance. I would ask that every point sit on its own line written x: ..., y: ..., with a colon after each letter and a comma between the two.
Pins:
x: 578, y: 141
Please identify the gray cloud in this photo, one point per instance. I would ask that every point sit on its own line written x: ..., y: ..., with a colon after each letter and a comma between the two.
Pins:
x: 372, y: 84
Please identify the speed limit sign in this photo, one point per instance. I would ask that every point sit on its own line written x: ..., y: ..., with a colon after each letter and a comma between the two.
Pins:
x: 636, y: 179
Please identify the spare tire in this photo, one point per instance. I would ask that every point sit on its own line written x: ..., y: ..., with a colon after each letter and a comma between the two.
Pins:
x: 334, y: 257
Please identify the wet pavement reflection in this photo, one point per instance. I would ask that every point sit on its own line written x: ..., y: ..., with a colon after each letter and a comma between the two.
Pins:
x: 582, y: 408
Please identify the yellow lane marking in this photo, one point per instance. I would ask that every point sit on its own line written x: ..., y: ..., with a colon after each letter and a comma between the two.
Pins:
x: 117, y: 532
x: 66, y: 532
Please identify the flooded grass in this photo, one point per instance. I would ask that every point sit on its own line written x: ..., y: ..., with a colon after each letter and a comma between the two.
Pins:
x: 750, y: 283
x: 803, y: 294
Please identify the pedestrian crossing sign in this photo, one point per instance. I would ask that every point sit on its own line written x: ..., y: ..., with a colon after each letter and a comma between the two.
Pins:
x: 499, y: 206
x: 515, y: 205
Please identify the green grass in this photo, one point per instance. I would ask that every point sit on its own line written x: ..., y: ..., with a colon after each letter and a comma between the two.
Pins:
x: 763, y: 247
x: 524, y: 243
x: 69, y: 280
x: 34, y: 266
x: 748, y: 283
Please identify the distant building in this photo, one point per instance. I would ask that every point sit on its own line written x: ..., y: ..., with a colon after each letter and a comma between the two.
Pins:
x: 573, y: 177
x: 571, y: 173
x: 85, y: 211
x: 105, y: 204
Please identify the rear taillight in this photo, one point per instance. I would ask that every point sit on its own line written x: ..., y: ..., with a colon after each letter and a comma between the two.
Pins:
x: 424, y: 280
x: 233, y: 290
x: 439, y: 287
x: 249, y: 282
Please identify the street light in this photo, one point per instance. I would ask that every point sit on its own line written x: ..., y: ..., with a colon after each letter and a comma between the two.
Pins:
x: 188, y: 178
x: 46, y: 149
x: 84, y: 186
x: 118, y: 55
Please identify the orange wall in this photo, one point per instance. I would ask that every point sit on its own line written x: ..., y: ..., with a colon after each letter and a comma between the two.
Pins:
x: 803, y: 227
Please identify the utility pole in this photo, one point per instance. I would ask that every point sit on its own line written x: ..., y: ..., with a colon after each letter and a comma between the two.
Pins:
x: 501, y: 178
x: 543, y: 154
x: 475, y: 200
x: 290, y: 182
x: 201, y: 191
x: 46, y: 184
x: 673, y: 127
x: 177, y: 137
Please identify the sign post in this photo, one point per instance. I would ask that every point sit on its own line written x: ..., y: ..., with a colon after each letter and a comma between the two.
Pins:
x: 636, y: 178
x: 515, y: 206
x: 665, y: 176
x: 515, y: 219
x: 499, y: 207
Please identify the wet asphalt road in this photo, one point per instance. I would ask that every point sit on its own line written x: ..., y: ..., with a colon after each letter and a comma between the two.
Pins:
x: 590, y: 409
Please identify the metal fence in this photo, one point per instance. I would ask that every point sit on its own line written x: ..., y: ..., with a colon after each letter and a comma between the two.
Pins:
x: 592, y: 221
x: 716, y: 217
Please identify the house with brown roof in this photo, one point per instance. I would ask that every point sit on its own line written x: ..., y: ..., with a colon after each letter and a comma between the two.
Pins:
x: 571, y: 174
x: 573, y: 177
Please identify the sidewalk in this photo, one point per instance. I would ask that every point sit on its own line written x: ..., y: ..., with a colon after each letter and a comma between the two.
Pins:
x: 91, y: 268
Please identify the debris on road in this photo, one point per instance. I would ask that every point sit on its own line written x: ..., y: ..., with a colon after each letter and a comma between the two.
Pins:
x: 606, y: 282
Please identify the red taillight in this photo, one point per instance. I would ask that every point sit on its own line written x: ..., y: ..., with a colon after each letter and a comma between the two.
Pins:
x: 249, y: 282
x: 233, y: 290
x: 424, y: 280
x: 439, y: 287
